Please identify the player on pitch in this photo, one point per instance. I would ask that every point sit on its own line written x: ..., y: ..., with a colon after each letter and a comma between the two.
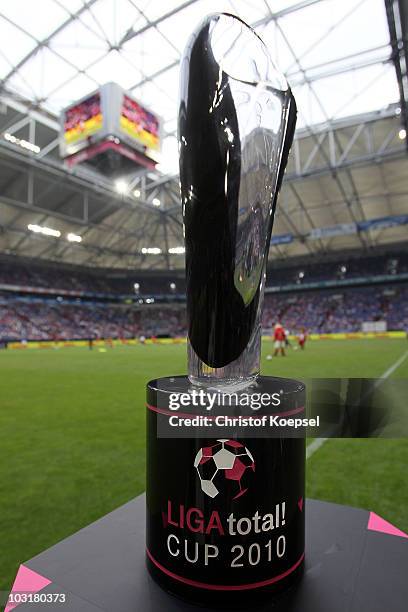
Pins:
x: 302, y: 337
x: 279, y: 337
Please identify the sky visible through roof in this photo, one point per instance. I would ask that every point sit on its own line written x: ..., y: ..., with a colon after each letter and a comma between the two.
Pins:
x: 334, y: 53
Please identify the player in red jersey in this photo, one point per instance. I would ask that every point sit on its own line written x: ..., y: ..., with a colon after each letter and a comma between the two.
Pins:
x: 279, y: 337
x: 302, y: 337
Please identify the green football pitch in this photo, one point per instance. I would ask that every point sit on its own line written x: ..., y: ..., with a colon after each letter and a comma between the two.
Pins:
x: 73, y: 441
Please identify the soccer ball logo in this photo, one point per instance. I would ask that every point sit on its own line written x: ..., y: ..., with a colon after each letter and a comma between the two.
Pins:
x: 227, y: 464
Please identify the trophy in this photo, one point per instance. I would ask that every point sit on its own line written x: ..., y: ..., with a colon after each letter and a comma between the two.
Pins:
x: 237, y: 118
x: 225, y: 510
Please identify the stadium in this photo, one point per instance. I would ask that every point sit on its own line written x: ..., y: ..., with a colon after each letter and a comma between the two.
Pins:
x: 92, y: 255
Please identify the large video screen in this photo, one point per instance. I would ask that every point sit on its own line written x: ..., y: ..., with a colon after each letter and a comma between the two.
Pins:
x: 139, y: 123
x: 83, y: 119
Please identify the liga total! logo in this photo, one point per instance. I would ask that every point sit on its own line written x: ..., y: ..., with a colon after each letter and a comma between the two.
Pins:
x: 226, y: 465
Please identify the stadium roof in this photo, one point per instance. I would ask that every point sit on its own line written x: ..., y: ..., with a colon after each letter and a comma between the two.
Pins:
x: 343, y: 59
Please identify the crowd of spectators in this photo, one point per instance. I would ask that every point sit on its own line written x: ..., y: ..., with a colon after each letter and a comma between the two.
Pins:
x: 125, y: 283
x: 317, y: 311
x: 81, y: 281
x: 334, y: 311
x: 346, y: 268
x: 46, y: 320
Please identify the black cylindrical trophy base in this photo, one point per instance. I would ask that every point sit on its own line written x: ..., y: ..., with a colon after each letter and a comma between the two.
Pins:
x: 225, y: 499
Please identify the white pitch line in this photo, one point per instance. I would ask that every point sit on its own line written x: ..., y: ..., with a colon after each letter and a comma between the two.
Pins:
x: 318, y: 442
x: 314, y: 446
x: 395, y: 365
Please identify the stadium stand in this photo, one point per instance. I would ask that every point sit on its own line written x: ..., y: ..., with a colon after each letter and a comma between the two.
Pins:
x: 40, y: 302
x: 356, y: 267
x: 46, y: 320
x: 79, y: 281
x: 332, y: 311
x: 317, y: 311
x: 33, y: 275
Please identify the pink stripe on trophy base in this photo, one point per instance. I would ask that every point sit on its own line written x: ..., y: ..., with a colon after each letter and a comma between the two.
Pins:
x: 27, y: 581
x: 225, y: 587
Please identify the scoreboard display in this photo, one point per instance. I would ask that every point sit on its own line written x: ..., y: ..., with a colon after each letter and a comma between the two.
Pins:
x: 109, y: 125
x: 83, y: 120
x: 139, y: 123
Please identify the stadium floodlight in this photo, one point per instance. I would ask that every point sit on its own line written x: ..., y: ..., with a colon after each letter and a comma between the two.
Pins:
x: 151, y: 251
x: 74, y: 237
x: 179, y: 250
x: 136, y: 193
x: 34, y: 228
x: 42, y: 229
x: 24, y: 144
x: 121, y: 186
x: 156, y: 202
x: 402, y: 134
